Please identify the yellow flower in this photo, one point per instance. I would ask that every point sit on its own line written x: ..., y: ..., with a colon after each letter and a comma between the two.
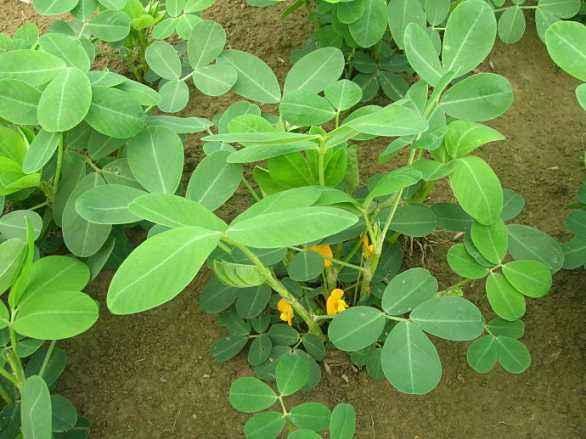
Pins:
x: 286, y: 311
x: 367, y: 247
x: 336, y: 303
x: 325, y: 251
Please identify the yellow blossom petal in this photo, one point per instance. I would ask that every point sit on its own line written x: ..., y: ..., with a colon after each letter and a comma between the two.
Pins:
x: 367, y: 247
x: 286, y: 311
x: 325, y: 251
x: 336, y: 303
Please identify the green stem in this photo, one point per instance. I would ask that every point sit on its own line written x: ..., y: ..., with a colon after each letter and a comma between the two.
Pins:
x: 334, y: 260
x: 8, y: 376
x: 251, y: 190
x: 47, y: 358
x: 59, y: 167
x: 5, y: 396
x: 398, y: 319
x: 276, y: 285
x: 13, y: 359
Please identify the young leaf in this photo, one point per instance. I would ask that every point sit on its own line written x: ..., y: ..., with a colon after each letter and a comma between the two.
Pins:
x: 562, y: 9
x: 452, y: 318
x: 463, y: 264
x: 477, y: 189
x: 391, y: 121
x: 174, y: 211
x: 464, y: 137
x: 469, y: 37
x: 479, y: 97
x: 50, y: 7
x: 482, y: 354
x: 256, y: 80
x: 237, y: 275
x: 57, y: 273
x: 491, y: 241
x: 108, y: 204
x: 498, y: 326
x: 422, y: 54
x: 214, y: 180
x: 504, y: 299
x: 532, y: 278
x: 35, y: 412
x: 410, y: 360
x: 407, y: 290
x: 343, y: 422
x: 356, y: 328
x: 513, y: 355
x: 250, y: 395
x: 297, y: 226
x: 315, y: 71
x: 159, y: 269
x: 313, y: 416
x: 371, y: 26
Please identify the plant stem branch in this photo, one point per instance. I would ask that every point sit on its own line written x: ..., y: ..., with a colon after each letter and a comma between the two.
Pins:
x: 47, y: 358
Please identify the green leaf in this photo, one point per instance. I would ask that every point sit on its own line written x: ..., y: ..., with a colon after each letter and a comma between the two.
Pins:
x: 55, y: 315
x: 215, y: 79
x: 141, y: 93
x: 415, y: 220
x: 532, y: 278
x: 394, y: 181
x: 114, y: 114
x: 311, y: 415
x: 68, y: 48
x: 108, y: 204
x: 261, y: 138
x: 256, y: 153
x: 174, y: 96
x: 410, y: 360
x: 407, y: 290
x: 314, y: 346
x: 343, y: 94
x: 238, y: 275
x: 156, y: 159
x: 343, y: 422
x: 401, y: 14
x: 356, y: 328
x: 174, y: 211
x: 206, y: 43
x: 477, y: 189
x: 574, y: 253
x: 260, y: 350
x: 437, y: 11
x: 512, y: 25
x: 513, y: 355
x: 217, y: 297
x: 479, y: 97
x: 181, y: 125
x: 11, y: 258
x: 469, y: 36
x: 253, y: 301
x: 371, y: 26
x: 41, y: 150
x: 159, y: 269
x: 53, y: 273
x: 527, y: 242
x: 13, y: 224
x: 566, y: 44
x: 393, y: 120
x: 298, y: 226
x: 305, y: 266
x: 264, y: 425
x: 304, y: 108
x: 81, y: 237
x: 504, y: 299
x: 18, y: 102
x: 482, y: 354
x: 464, y: 137
x: 228, y: 347
x: 291, y: 373
x: 421, y: 53
x: 53, y: 7
x: 491, y: 241
x: 452, y: 318
x: 109, y: 26
x: 463, y: 264
x: 34, y: 67
x: 560, y: 8
x: 164, y: 60
x: 35, y: 411
x: 282, y: 334
x: 498, y: 326
x: 250, y: 395
x: 304, y: 433
x: 314, y: 72
x: 214, y: 180
x: 64, y: 414
x: 581, y: 95
x: 256, y: 80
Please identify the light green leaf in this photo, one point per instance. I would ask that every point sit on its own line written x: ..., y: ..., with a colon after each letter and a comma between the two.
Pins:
x: 452, y: 318
x: 315, y: 71
x: 35, y: 67
x: 421, y: 53
x: 68, y: 48
x: 343, y: 94
x: 407, y: 290
x: 504, y: 299
x: 566, y: 44
x: 53, y: 273
x: 65, y: 102
x: 560, y: 8
x: 415, y: 220
x: 18, y: 102
x: 393, y: 120
x: 463, y: 264
x: 477, y: 189
x: 36, y: 415
x: 410, y: 360
x: 264, y: 425
x: 479, y: 97
x: 109, y: 26
x: 13, y: 224
x: 371, y: 26
x: 164, y: 60
x: 581, y: 95
x: 291, y: 373
x: 206, y: 43
x: 532, y: 278
x: 214, y: 180
x: 491, y: 241
x: 512, y: 25
x: 174, y: 96
x: 41, y: 150
x: 527, y: 242
x: 470, y: 34
x: 108, y: 204
x: 305, y: 108
x: 53, y: 7
x: 356, y: 328
x: 11, y: 258
x: 55, y: 315
x: 401, y: 14
x: 343, y: 422
x: 513, y: 355
x: 159, y: 269
x: 305, y: 266
x: 394, y: 181
x: 464, y: 137
x: 298, y: 226
x: 256, y: 80
x: 437, y: 11
x: 313, y: 416
x: 215, y: 79
x: 250, y: 395
x: 482, y: 354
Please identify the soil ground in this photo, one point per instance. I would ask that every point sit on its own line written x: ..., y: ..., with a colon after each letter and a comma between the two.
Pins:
x: 151, y: 375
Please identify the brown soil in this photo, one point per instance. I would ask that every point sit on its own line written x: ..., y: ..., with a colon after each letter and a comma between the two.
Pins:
x: 151, y: 375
